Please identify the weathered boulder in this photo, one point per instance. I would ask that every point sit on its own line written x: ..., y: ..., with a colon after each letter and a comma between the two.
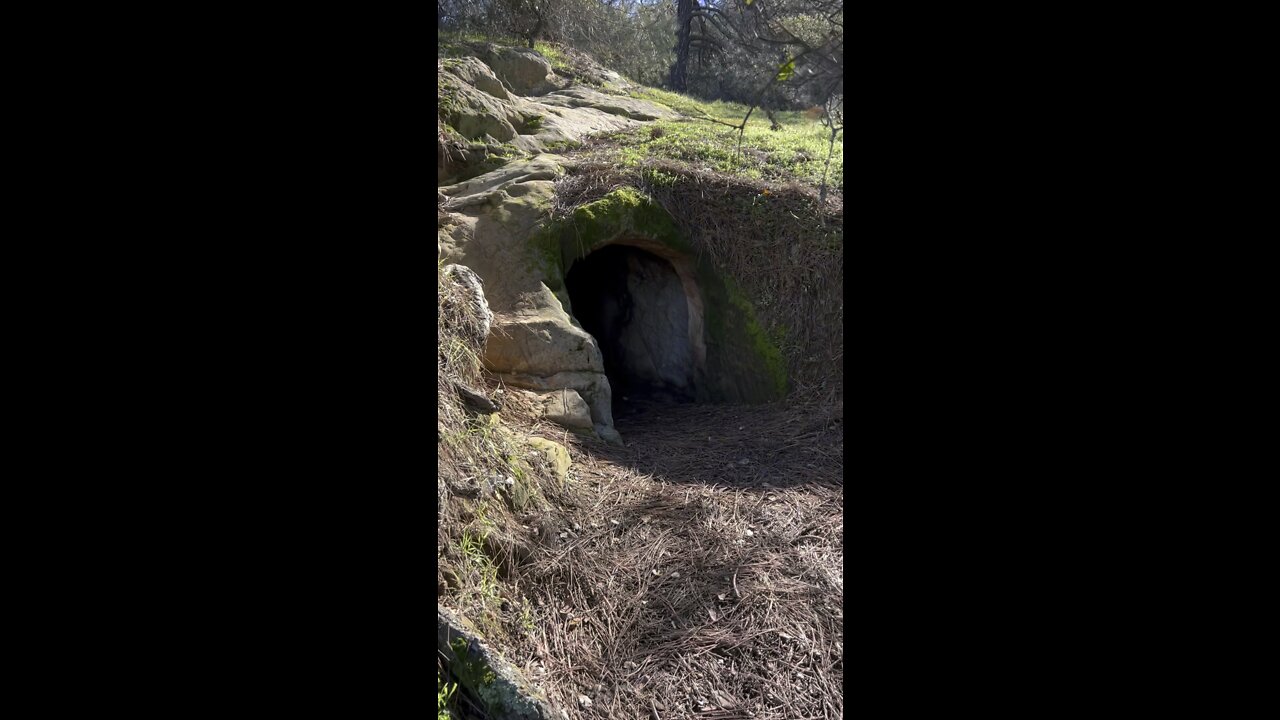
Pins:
x: 473, y: 72
x: 557, y: 456
x: 525, y: 71
x: 534, y: 343
x: 473, y: 113
x: 464, y: 301
x: 568, y: 409
x: 612, y: 104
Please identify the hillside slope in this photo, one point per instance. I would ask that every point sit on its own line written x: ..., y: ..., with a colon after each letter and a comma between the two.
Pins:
x: 611, y: 556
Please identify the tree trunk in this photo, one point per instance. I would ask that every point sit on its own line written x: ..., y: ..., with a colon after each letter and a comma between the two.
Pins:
x: 680, y: 70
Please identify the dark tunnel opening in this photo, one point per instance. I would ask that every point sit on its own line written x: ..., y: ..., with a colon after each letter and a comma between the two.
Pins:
x: 633, y: 303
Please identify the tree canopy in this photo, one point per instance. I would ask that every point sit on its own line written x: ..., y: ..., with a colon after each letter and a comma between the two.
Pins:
x: 778, y: 54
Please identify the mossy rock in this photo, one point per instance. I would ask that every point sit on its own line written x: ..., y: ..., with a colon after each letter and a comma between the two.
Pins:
x: 743, y: 364
x: 557, y: 455
x: 499, y: 687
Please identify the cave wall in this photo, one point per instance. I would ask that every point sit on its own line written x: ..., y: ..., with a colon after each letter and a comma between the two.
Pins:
x: 733, y: 358
x: 634, y: 304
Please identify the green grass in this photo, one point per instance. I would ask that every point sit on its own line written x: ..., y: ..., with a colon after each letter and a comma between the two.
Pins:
x: 473, y: 550
x: 444, y: 694
x: 553, y: 55
x: 797, y: 152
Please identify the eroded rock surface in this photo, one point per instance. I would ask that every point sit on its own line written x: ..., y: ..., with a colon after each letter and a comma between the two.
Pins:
x: 631, y: 108
x: 534, y: 343
x: 486, y: 116
x: 524, y: 71
x: 491, y: 216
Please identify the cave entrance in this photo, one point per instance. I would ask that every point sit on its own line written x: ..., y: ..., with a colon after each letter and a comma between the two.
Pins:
x: 637, y: 307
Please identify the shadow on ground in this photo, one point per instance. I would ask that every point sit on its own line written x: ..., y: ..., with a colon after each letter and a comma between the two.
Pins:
x: 755, y: 447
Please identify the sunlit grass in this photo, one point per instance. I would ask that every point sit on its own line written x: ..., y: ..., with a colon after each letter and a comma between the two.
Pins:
x: 553, y: 55
x: 797, y: 152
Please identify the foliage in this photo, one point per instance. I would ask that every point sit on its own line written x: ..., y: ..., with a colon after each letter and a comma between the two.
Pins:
x: 632, y: 37
x: 444, y: 695
x: 553, y: 55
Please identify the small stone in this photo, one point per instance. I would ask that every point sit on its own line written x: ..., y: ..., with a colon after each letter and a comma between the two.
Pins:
x: 584, y: 701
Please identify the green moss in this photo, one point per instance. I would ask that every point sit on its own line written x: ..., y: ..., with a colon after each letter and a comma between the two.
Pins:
x: 459, y: 647
x: 558, y: 145
x: 553, y: 55
x: 796, y: 153
x: 530, y: 123
x: 775, y: 365
x: 743, y: 362
x: 623, y: 211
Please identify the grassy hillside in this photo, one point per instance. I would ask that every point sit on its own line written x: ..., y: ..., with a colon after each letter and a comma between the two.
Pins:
x: 704, y: 140
x: 795, y: 153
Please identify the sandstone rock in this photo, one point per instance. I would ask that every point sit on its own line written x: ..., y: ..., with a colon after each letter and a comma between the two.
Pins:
x: 525, y: 71
x: 475, y: 309
x: 534, y: 343
x: 557, y: 455
x: 542, y: 344
x: 473, y: 72
x: 611, y: 104
x: 475, y: 114
x: 568, y: 409
x: 566, y: 123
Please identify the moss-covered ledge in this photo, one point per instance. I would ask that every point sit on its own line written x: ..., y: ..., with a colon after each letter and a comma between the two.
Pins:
x: 501, y: 689
x: 743, y: 364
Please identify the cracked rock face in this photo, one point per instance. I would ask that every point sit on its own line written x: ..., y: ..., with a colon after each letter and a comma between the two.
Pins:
x: 533, y: 342
x: 490, y: 220
x: 485, y: 108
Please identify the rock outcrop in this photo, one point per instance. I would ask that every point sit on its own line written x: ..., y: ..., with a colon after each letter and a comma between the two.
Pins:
x: 486, y: 117
x: 524, y: 71
x: 534, y: 343
x: 692, y: 336
x: 632, y: 108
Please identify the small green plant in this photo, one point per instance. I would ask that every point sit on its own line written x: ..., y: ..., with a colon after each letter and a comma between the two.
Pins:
x: 444, y: 695
x: 526, y: 618
x: 473, y: 551
x: 553, y: 55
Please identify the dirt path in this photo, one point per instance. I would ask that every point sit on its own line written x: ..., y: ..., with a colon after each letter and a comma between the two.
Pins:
x: 695, y: 573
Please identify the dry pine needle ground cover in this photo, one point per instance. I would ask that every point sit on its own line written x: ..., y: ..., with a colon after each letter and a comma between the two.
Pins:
x: 695, y: 573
